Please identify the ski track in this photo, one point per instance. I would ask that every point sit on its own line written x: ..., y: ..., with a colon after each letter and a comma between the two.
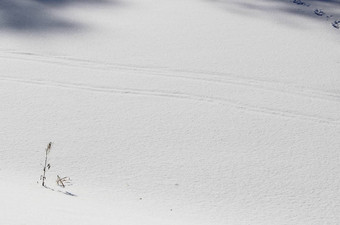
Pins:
x: 176, y: 95
x: 220, y: 78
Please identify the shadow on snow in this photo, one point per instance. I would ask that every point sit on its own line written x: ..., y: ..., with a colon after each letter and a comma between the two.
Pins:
x: 306, y: 8
x: 63, y: 192
x: 41, y: 15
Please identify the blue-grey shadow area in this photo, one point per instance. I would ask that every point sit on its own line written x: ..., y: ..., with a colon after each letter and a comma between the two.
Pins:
x: 43, y: 15
x: 300, y: 8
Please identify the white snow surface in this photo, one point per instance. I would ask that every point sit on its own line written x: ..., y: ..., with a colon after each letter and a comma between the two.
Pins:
x: 178, y: 112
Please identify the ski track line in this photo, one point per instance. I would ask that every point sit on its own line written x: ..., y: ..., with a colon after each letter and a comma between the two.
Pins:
x: 176, y: 95
x: 247, y: 82
x: 172, y: 73
x: 160, y: 71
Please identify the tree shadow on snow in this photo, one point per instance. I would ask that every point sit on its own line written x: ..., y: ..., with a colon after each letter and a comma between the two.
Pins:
x: 42, y: 15
x: 286, y: 11
x: 63, y: 192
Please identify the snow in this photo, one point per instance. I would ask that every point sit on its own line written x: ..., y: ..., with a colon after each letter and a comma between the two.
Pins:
x: 181, y: 112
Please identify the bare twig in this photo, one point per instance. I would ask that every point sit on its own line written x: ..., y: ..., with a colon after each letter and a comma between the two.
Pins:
x: 46, y: 166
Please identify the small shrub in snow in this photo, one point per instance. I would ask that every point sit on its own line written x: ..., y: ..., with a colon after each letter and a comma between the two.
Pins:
x: 47, y: 166
x: 62, y: 182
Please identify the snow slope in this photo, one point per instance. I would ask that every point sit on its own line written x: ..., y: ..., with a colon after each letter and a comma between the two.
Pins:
x: 170, y: 112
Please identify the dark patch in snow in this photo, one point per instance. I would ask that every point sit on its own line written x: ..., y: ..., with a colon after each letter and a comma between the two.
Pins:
x: 42, y: 15
x: 336, y: 24
x: 319, y: 12
x: 285, y: 6
x: 299, y: 2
